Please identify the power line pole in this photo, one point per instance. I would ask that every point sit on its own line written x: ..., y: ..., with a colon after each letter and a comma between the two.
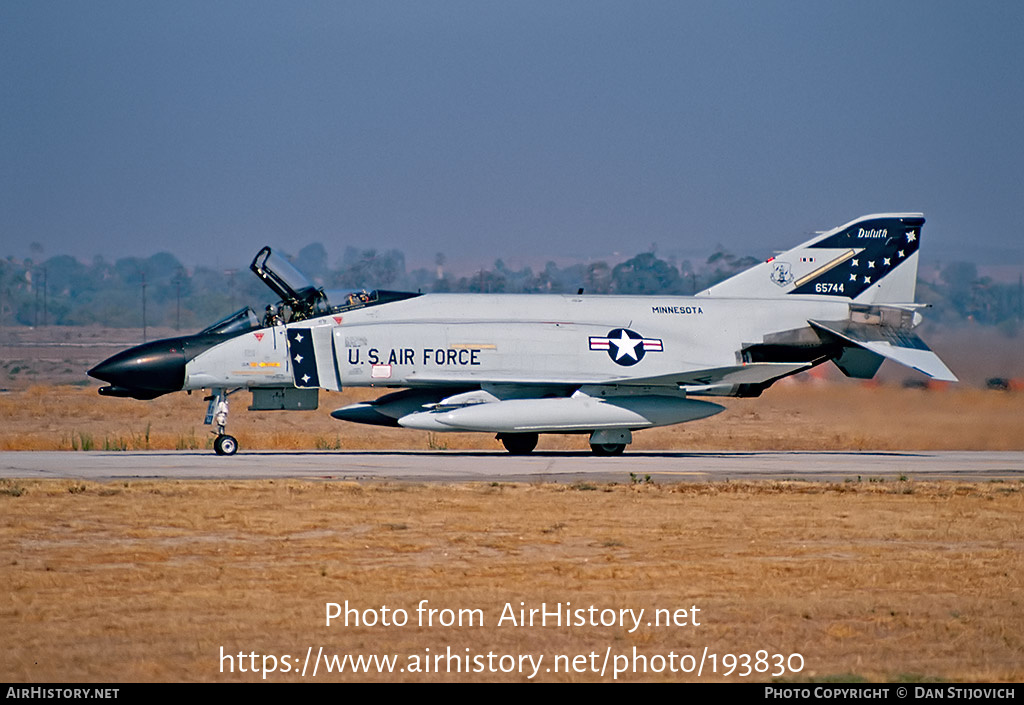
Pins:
x: 35, y: 299
x: 143, y: 307
x: 1020, y: 297
x: 46, y: 299
x: 177, y: 300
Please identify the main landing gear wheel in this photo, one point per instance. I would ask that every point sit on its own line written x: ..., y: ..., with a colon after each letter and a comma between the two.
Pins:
x: 225, y: 445
x: 518, y: 443
x: 607, y: 448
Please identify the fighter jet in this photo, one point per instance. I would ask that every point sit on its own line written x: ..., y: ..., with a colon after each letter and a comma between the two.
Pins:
x: 521, y: 365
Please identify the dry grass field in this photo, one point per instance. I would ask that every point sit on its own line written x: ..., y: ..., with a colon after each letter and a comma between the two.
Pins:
x: 803, y: 416
x: 148, y: 581
x: 47, y: 403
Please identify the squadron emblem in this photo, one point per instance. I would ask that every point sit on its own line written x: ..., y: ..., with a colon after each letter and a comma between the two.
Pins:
x: 625, y: 347
x: 782, y: 273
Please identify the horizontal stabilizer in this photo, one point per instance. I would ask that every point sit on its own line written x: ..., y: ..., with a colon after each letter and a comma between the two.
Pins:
x: 896, y: 344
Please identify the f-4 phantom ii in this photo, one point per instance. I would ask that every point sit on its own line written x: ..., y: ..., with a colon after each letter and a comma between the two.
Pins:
x: 521, y: 365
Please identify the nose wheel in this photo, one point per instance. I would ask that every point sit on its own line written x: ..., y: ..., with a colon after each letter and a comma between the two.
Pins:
x: 217, y: 412
x: 225, y: 445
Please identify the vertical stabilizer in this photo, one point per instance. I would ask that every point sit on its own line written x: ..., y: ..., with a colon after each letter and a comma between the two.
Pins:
x: 872, y: 259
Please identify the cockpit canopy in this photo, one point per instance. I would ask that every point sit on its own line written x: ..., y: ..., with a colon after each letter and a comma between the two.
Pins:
x: 301, y: 298
x: 238, y: 322
x: 296, y: 291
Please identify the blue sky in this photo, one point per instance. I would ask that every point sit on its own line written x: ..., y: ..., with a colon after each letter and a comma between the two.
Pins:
x: 521, y: 130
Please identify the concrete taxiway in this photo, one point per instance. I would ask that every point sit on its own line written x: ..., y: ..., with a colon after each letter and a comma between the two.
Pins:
x: 497, y: 466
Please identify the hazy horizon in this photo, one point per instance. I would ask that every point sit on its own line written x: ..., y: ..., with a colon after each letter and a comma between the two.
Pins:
x: 516, y: 130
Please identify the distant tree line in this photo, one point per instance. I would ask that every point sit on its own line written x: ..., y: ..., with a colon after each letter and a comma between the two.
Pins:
x: 160, y: 291
x: 959, y: 294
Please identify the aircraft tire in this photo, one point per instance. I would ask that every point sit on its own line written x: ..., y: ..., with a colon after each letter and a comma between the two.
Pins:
x: 519, y: 443
x: 607, y: 448
x: 225, y: 445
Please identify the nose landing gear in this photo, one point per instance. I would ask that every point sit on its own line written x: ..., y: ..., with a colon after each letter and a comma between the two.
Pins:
x: 217, y: 412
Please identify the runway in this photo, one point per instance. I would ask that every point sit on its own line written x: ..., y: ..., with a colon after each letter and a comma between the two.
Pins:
x: 497, y: 466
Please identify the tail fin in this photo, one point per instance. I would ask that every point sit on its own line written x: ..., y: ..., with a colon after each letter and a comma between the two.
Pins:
x: 872, y: 259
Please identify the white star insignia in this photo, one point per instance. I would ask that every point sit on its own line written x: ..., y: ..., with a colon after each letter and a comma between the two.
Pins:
x: 298, y: 337
x: 885, y: 261
x: 854, y: 263
x: 867, y: 280
x: 298, y: 359
x: 871, y: 265
x: 900, y: 253
x: 911, y: 236
x: 853, y: 277
x: 305, y: 378
x: 626, y: 346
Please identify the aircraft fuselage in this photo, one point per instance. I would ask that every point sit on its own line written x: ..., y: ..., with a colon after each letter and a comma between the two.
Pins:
x: 450, y: 339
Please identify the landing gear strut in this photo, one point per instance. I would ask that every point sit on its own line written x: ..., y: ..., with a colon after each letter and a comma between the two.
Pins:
x: 217, y: 412
x: 518, y: 443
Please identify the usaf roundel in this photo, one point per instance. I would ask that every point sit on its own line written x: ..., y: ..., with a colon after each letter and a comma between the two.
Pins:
x: 624, y: 346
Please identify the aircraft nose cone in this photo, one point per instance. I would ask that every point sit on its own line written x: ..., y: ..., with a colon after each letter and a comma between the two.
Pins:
x: 158, y: 366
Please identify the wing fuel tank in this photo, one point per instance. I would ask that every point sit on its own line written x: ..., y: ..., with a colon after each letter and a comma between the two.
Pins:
x: 564, y: 414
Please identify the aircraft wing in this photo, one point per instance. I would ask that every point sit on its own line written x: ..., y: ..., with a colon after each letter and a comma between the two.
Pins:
x: 749, y: 373
x: 898, y: 344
